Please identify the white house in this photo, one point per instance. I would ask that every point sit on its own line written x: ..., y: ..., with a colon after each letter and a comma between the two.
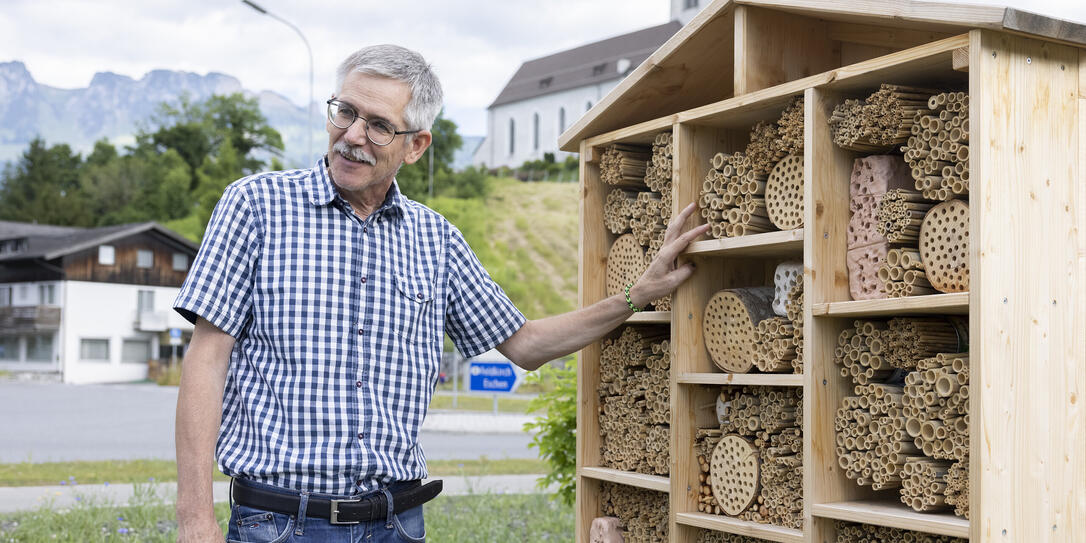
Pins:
x: 548, y: 94
x: 91, y: 305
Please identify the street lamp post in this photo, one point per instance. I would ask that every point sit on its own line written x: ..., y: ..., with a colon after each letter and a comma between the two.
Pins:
x: 309, y: 106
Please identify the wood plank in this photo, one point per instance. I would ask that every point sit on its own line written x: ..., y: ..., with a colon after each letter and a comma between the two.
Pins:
x: 592, y: 265
x: 773, y: 48
x: 826, y: 175
x: 731, y: 525
x: 782, y: 243
x: 642, y: 133
x: 650, y: 317
x: 893, y: 515
x: 628, y: 478
x: 941, y: 16
x: 892, y: 37
x: 1069, y: 32
x: 1028, y: 275
x: 743, y: 111
x: 755, y: 379
x: 935, y: 304
x: 929, y: 62
x: 960, y: 59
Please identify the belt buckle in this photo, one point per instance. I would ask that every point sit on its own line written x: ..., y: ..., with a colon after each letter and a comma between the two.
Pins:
x: 333, y: 515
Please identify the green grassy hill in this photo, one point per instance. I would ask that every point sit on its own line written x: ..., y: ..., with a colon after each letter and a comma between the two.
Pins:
x: 525, y: 234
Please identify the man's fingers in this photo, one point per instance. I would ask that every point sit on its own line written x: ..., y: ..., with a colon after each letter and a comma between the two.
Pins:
x: 676, y: 224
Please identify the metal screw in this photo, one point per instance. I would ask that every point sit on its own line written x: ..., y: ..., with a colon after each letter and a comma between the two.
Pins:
x: 1062, y: 67
x: 689, y: 316
x: 993, y: 54
x: 1004, y: 300
x: 1029, y: 60
x: 1053, y: 302
x: 1004, y: 530
x: 823, y: 381
x: 825, y: 235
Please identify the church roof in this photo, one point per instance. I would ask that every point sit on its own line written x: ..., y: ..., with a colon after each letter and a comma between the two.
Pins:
x: 585, y: 65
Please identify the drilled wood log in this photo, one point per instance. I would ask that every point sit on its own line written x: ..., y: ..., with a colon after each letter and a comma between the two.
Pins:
x: 728, y: 326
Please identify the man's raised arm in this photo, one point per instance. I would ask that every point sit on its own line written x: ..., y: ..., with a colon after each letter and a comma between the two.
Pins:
x: 540, y: 341
x: 199, y: 413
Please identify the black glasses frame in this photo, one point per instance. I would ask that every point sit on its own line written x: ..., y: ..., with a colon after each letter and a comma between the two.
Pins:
x: 366, y: 124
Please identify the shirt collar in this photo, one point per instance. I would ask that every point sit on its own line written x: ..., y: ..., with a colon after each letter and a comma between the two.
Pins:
x: 323, y: 192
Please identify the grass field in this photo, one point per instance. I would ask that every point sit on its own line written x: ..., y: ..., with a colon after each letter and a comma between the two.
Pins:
x: 142, y: 471
x: 480, y: 403
x: 151, y: 518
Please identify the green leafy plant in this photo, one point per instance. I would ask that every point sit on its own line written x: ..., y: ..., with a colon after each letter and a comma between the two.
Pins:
x: 556, y: 429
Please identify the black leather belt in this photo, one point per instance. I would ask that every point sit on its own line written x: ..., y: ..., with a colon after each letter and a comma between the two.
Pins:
x: 337, y: 511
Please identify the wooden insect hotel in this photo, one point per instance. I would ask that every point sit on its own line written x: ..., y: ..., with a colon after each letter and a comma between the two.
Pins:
x: 885, y: 336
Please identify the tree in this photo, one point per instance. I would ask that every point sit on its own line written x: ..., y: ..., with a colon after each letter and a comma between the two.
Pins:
x: 413, y: 179
x: 213, y: 176
x: 43, y: 186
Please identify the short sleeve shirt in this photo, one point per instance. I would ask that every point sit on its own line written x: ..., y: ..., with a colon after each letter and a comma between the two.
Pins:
x: 339, y: 325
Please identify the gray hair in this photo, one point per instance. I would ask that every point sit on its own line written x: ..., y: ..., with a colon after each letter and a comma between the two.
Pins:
x: 401, y: 64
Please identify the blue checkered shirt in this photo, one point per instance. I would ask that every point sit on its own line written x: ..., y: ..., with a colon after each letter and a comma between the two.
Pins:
x: 339, y: 324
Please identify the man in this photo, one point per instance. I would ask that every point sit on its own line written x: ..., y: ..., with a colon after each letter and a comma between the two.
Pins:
x: 320, y: 299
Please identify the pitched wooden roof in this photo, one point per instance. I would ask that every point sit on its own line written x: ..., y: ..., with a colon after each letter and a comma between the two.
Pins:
x: 695, y: 67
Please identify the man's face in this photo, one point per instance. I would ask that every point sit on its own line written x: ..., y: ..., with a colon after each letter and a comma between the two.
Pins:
x: 367, y: 166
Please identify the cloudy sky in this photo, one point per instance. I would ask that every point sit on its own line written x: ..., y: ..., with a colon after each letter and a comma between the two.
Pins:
x: 475, y: 45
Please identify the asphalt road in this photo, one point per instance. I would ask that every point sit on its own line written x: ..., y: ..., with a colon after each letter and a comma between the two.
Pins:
x: 52, y: 422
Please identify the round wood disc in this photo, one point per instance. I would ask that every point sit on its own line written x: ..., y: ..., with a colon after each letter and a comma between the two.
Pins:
x: 733, y: 474
x: 784, y: 193
x: 944, y: 246
x: 625, y: 264
x: 728, y: 326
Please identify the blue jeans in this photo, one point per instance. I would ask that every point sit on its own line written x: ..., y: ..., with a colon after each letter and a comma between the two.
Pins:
x: 251, y: 525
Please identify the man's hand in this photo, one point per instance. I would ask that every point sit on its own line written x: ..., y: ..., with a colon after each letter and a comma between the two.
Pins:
x: 664, y: 274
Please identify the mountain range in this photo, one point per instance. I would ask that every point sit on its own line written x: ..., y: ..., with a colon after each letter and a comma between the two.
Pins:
x: 114, y: 106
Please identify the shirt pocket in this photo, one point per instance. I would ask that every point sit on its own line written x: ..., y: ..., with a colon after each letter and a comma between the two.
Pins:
x: 415, y: 324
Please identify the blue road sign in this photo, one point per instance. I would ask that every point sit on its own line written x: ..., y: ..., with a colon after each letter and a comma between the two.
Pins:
x: 492, y: 377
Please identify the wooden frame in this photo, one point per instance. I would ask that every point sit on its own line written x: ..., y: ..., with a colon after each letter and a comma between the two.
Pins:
x: 1027, y: 309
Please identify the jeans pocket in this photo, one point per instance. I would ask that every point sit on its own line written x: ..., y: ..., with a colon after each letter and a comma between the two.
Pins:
x: 410, y: 525
x: 251, y: 525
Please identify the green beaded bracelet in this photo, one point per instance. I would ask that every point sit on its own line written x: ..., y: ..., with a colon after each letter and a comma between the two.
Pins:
x: 630, y: 302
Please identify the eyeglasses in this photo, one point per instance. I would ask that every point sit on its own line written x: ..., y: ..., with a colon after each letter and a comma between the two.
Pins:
x: 378, y: 131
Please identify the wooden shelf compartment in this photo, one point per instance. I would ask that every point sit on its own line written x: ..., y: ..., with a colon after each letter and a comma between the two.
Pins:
x: 641, y: 134
x: 935, y: 304
x: 722, y: 523
x: 781, y: 243
x: 628, y: 478
x: 893, y: 515
x: 650, y: 317
x: 741, y: 379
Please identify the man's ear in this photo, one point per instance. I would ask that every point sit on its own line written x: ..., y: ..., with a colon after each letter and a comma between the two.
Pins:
x: 418, y: 146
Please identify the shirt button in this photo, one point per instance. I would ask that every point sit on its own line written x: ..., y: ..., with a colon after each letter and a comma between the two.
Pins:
x: 359, y: 436
x: 419, y: 295
x: 365, y: 229
x: 358, y: 384
x: 363, y: 279
x: 359, y: 331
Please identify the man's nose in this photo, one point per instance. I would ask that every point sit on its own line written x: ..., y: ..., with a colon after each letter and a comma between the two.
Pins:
x: 356, y: 133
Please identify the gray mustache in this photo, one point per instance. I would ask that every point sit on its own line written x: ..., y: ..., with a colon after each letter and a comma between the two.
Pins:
x: 353, y: 152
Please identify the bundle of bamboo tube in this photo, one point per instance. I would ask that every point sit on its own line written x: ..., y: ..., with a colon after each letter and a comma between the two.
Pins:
x: 790, y: 128
x: 643, y: 512
x: 937, y: 406
x: 618, y: 210
x: 911, y: 339
x: 732, y: 197
x: 863, y: 353
x: 871, y: 442
x: 775, y: 347
x: 772, y: 419
x: 899, y: 215
x: 938, y: 148
x: 850, y: 532
x: 923, y: 484
x: 902, y: 274
x: 634, y: 394
x: 795, y: 314
x: 957, y: 487
x: 647, y: 220
x: 660, y: 167
x: 883, y: 121
x: 705, y: 440
x: 764, y: 149
x: 624, y: 165
x: 713, y: 536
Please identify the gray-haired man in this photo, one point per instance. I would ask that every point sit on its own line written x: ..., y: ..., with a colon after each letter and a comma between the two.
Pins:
x: 320, y: 298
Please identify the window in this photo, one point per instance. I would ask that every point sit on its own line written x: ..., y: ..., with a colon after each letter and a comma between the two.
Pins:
x: 145, y: 302
x: 512, y: 136
x: 599, y: 69
x: 546, y: 82
x: 535, y: 131
x: 94, y: 349
x: 135, y: 350
x: 180, y: 261
x: 9, y: 348
x: 588, y: 105
x: 690, y: 4
x: 47, y: 294
x: 39, y: 348
x: 106, y: 255
x: 5, y: 296
x: 145, y: 259
x: 561, y: 119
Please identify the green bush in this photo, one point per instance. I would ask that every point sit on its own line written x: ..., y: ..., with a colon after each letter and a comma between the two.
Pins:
x: 556, y: 429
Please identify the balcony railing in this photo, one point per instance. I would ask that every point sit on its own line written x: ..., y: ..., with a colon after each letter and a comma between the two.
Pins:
x: 29, y: 318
